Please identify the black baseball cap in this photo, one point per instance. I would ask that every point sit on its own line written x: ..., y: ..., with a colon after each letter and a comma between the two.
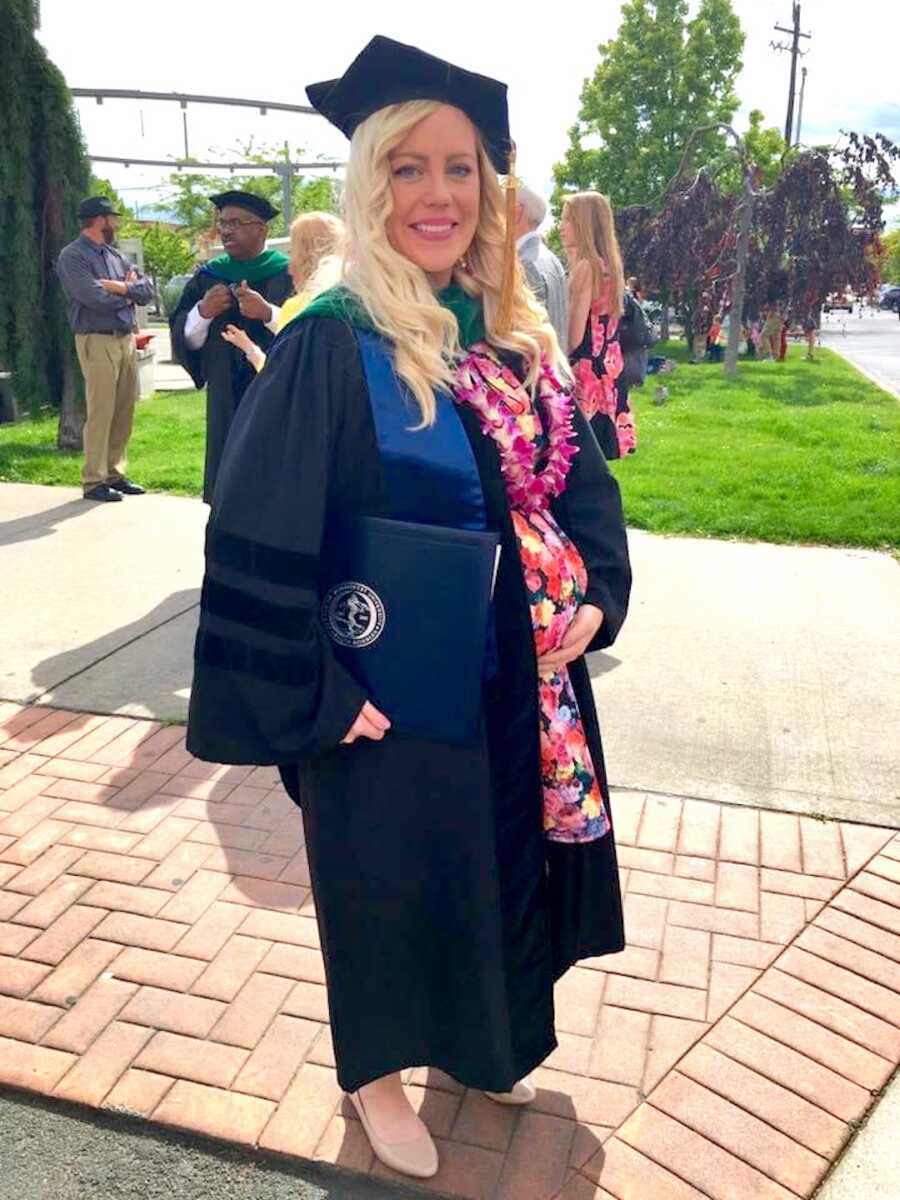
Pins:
x: 96, y: 206
x: 258, y: 205
x: 388, y: 72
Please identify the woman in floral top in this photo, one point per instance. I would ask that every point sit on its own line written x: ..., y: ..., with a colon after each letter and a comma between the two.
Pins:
x: 596, y: 304
x: 452, y: 884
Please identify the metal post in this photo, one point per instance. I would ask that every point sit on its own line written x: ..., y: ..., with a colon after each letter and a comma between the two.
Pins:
x: 187, y: 153
x: 287, y: 179
x: 800, y: 110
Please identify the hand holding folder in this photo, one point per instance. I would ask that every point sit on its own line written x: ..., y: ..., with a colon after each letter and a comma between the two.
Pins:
x: 407, y: 609
x: 370, y: 723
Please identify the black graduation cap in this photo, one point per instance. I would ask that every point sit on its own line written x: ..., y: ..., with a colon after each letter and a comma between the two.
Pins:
x: 388, y: 72
x: 258, y: 205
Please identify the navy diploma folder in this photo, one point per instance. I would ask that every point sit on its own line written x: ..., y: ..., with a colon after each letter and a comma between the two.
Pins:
x: 406, y: 607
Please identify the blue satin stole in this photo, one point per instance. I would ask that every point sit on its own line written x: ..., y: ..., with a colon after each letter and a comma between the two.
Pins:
x: 431, y: 474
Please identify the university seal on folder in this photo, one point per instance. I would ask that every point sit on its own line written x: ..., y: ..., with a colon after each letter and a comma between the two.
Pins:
x: 353, y: 615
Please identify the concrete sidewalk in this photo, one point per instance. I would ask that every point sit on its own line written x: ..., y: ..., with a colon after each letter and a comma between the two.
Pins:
x: 168, y: 375
x: 748, y: 673
x: 101, y: 602
x: 870, y: 1170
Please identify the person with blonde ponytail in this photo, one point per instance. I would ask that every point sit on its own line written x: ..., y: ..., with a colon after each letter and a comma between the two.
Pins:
x: 453, y: 883
x: 597, y: 302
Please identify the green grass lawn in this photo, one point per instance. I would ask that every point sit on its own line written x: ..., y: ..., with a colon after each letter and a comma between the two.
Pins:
x: 790, y: 452
x: 165, y: 453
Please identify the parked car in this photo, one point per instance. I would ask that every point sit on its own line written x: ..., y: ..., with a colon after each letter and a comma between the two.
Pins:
x: 890, y: 298
x: 839, y: 300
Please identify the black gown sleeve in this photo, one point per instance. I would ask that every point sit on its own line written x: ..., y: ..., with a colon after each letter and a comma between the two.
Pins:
x: 267, y: 688
x: 191, y: 360
x: 199, y: 364
x: 590, y: 511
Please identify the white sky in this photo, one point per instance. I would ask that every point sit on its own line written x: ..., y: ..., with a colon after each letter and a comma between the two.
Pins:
x: 271, y: 51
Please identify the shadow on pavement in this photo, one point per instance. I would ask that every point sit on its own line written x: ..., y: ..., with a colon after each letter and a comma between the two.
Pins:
x: 52, y: 672
x: 53, y: 1148
x: 601, y: 664
x: 41, y: 524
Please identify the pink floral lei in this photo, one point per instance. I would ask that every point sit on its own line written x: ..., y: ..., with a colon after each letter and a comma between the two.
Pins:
x: 501, y: 400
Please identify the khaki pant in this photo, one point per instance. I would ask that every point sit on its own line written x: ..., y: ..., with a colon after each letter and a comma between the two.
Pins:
x: 769, y: 344
x: 109, y: 366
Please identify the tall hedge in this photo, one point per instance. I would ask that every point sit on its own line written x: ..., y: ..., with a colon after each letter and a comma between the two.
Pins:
x: 43, y: 174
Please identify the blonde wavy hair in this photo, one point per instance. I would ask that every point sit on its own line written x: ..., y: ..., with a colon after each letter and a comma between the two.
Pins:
x: 314, y: 236
x: 596, y: 243
x: 397, y: 294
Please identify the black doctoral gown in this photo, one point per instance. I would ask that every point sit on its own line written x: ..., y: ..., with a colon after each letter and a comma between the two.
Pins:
x: 223, y: 368
x: 445, y: 915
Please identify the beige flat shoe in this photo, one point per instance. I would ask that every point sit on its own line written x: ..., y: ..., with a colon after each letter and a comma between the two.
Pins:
x: 418, y: 1158
x: 523, y: 1093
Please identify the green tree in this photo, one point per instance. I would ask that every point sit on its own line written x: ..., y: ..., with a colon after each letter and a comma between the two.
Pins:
x: 43, y: 175
x: 764, y: 148
x: 890, y: 256
x: 661, y: 77
x: 188, y: 200
x: 166, y: 253
x: 190, y: 192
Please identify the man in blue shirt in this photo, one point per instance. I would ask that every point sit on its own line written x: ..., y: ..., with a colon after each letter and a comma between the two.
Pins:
x: 102, y: 288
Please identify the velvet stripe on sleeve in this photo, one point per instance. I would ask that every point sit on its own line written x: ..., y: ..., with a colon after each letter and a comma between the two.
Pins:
x: 267, y: 688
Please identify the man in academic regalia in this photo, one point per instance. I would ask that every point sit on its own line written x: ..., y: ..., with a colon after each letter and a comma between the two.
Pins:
x: 246, y: 287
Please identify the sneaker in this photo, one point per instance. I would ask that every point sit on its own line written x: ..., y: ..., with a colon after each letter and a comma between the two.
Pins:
x: 103, y: 492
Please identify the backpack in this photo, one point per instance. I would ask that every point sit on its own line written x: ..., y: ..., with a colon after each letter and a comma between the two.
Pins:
x: 635, y: 337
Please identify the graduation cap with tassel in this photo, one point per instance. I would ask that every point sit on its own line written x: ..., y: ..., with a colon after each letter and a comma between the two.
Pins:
x: 388, y: 72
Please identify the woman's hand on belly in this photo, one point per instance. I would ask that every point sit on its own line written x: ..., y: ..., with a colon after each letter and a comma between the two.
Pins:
x: 578, y: 637
x: 370, y: 724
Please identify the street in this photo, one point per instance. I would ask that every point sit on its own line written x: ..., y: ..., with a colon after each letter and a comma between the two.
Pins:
x: 870, y: 339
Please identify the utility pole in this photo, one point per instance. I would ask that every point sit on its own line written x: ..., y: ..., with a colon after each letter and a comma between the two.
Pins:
x: 795, y: 53
x: 800, y: 110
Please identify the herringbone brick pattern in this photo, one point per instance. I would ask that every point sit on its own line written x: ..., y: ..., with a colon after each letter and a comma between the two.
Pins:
x: 159, y: 954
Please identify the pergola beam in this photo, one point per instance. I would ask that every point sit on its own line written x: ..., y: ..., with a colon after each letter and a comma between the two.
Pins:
x: 185, y: 98
x: 189, y: 164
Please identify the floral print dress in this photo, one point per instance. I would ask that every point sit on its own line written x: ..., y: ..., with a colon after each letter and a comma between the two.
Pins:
x: 597, y: 364
x: 536, y: 447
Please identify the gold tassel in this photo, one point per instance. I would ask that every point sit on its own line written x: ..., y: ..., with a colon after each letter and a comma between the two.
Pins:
x: 504, y: 318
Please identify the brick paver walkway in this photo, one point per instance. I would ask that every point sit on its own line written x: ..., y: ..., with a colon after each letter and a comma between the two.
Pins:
x: 158, y: 953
